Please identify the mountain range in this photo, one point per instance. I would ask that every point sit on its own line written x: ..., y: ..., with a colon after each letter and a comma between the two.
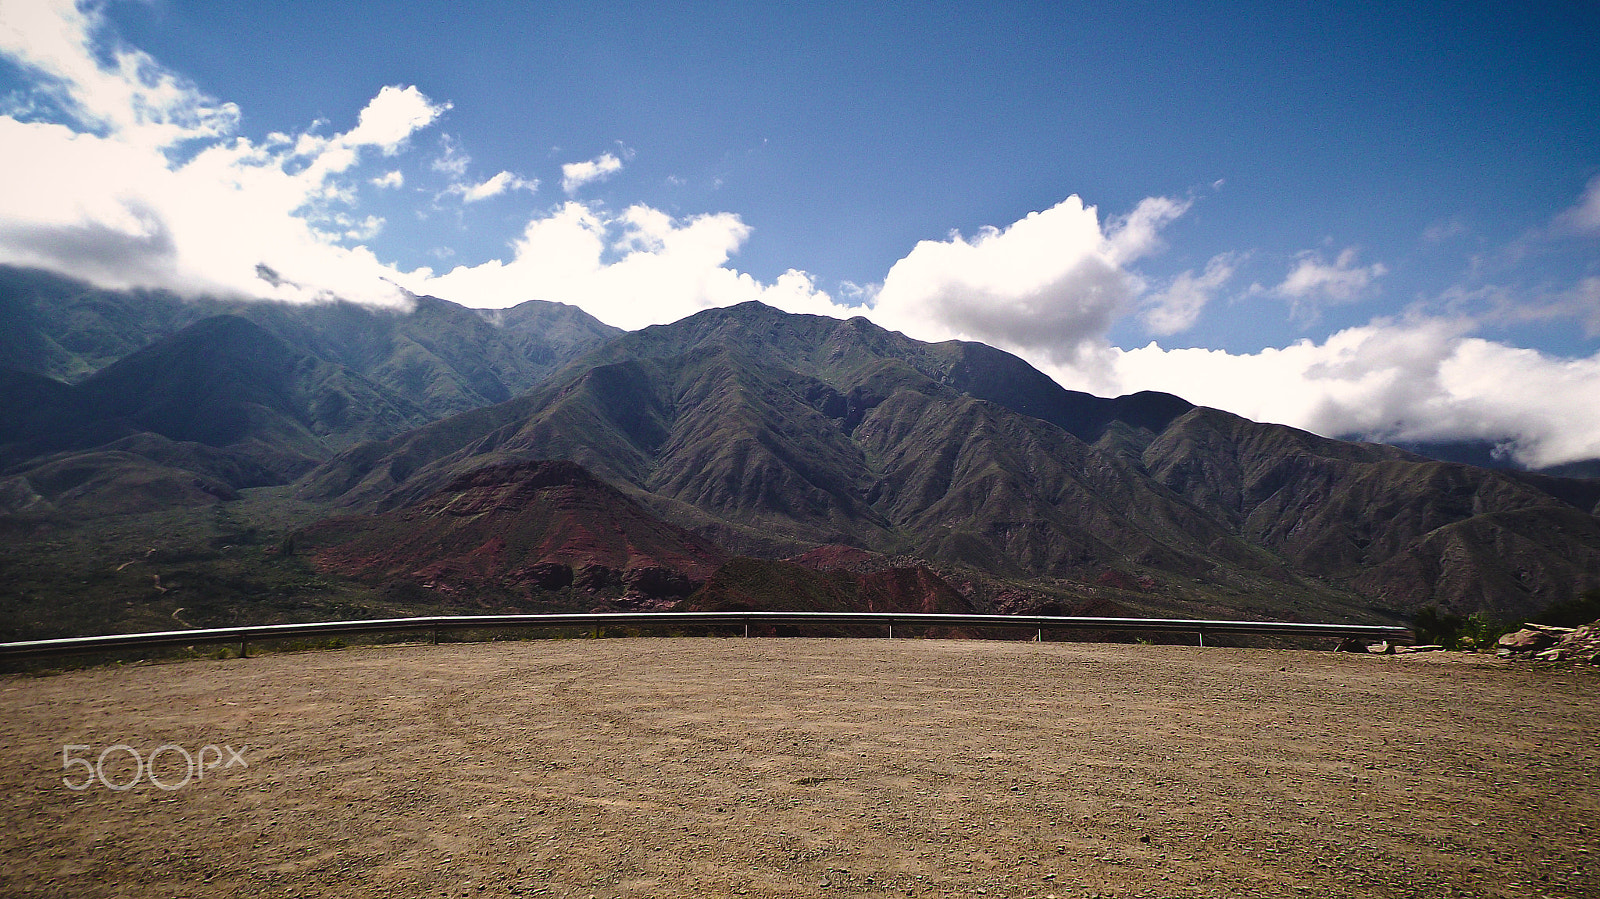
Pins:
x: 138, y: 390
x: 737, y: 435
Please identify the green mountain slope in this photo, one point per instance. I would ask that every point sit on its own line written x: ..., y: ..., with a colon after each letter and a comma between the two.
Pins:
x: 768, y: 434
x: 224, y: 383
x: 1403, y: 529
x: 441, y: 357
x: 180, y: 402
x: 773, y: 433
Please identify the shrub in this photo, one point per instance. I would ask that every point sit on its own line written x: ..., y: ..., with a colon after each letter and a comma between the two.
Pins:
x: 1574, y: 612
x: 1470, y: 633
x: 1435, y: 627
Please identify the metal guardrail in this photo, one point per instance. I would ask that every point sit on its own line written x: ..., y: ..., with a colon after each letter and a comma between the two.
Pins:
x: 435, y: 625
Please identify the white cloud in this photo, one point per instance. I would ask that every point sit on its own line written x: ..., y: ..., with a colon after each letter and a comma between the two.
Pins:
x: 392, y: 117
x: 493, y: 187
x: 631, y: 269
x: 1178, y: 306
x: 451, y: 161
x: 101, y: 85
x: 362, y: 229
x: 100, y: 195
x: 1049, y: 285
x: 575, y: 175
x: 124, y: 216
x: 96, y: 194
x: 1407, y: 380
x: 382, y: 125
x: 1314, y: 280
x: 1138, y: 234
x: 1583, y: 218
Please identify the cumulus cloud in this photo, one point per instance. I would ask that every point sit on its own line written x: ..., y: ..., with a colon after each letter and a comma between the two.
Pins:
x: 575, y: 175
x: 1049, y: 285
x: 1393, y: 380
x: 392, y: 117
x: 101, y: 85
x: 634, y: 268
x: 1177, y: 307
x: 1314, y: 280
x: 124, y: 216
x: 389, y: 180
x: 493, y: 187
x: 102, y: 194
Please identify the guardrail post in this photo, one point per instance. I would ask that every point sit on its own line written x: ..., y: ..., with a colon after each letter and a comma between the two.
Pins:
x: 1038, y: 635
x: 435, y: 636
x: 244, y: 649
x: 1202, y: 638
x: 891, y: 628
x: 747, y: 627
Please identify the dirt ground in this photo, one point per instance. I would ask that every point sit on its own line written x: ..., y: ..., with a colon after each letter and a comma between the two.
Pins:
x: 804, y: 767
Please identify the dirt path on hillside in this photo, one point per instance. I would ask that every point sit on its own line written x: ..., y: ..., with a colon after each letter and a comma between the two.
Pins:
x: 806, y: 767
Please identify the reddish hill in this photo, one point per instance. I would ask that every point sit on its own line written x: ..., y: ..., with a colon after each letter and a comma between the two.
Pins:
x: 536, y: 531
x: 834, y: 555
x: 910, y: 590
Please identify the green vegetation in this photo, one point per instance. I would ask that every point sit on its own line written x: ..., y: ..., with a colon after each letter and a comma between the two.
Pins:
x: 1467, y: 633
x: 1573, y: 612
x: 175, y: 569
x: 1478, y: 633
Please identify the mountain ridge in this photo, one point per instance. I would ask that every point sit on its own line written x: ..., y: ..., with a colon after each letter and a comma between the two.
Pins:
x: 122, y: 377
x: 770, y: 432
x: 442, y: 356
x: 769, y: 435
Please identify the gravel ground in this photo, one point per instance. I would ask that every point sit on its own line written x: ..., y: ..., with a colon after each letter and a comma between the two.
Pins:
x: 805, y: 767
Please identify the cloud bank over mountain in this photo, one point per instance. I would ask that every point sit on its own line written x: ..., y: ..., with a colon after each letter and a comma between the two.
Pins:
x: 632, y: 268
x: 1419, y: 380
x: 123, y: 172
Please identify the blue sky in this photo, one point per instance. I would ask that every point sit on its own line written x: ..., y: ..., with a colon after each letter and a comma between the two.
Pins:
x: 1379, y: 220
